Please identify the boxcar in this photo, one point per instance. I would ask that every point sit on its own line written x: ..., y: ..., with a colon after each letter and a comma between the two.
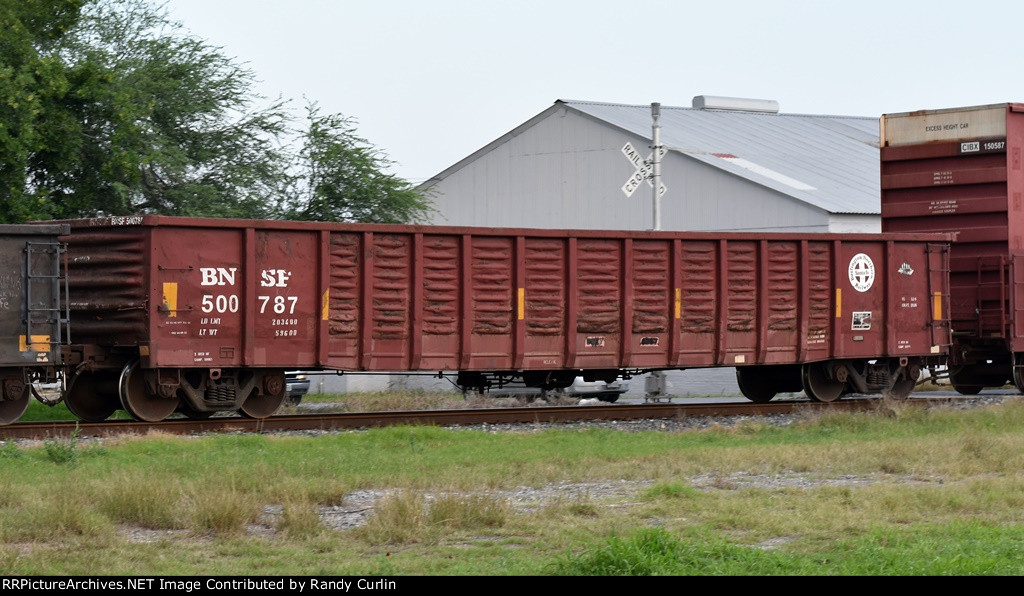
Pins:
x: 960, y: 170
x: 32, y: 321
x: 202, y: 315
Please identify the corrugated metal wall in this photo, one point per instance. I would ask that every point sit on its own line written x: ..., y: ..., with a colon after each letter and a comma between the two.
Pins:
x: 567, y: 171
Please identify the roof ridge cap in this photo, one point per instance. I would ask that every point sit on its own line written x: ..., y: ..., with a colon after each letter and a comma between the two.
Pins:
x: 693, y: 109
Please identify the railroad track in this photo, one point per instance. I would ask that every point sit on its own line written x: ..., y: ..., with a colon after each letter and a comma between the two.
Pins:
x: 455, y: 417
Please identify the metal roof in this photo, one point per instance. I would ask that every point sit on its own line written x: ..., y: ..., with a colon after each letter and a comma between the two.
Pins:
x: 831, y: 162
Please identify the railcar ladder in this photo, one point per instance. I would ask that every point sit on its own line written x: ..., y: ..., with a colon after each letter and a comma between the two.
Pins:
x: 943, y: 323
x: 992, y: 304
x: 47, y: 312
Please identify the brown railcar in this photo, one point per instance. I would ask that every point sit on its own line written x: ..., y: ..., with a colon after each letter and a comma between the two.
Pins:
x: 203, y: 315
x: 960, y: 170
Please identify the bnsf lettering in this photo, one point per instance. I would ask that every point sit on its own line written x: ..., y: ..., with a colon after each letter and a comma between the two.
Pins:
x: 275, y: 278
x: 218, y: 276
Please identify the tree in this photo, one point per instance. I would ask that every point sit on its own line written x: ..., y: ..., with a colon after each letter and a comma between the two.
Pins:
x: 166, y: 123
x: 107, y: 107
x: 342, y: 177
x: 32, y: 81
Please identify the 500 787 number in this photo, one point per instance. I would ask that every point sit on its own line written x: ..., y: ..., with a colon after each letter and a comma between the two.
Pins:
x: 224, y: 303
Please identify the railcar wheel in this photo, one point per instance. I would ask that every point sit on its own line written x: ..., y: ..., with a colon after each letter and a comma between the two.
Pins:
x: 817, y: 384
x: 262, y: 405
x: 1018, y: 372
x: 755, y: 386
x: 138, y: 401
x: 85, y: 398
x: 12, y: 409
x: 904, y: 386
x: 966, y: 384
x: 967, y: 389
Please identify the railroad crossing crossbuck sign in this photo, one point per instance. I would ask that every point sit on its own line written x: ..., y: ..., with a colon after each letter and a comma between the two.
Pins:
x: 644, y: 170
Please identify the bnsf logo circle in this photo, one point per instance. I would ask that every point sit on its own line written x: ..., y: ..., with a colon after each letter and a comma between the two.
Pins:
x: 862, y: 272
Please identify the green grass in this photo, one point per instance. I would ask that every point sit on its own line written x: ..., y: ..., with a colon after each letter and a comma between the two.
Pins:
x: 40, y: 412
x: 952, y: 549
x: 902, y: 491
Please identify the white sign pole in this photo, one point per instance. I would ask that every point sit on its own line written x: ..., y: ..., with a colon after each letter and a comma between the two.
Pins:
x: 656, y: 159
x: 656, y: 385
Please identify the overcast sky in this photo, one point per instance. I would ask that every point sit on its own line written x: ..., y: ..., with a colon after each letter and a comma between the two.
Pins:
x: 431, y: 81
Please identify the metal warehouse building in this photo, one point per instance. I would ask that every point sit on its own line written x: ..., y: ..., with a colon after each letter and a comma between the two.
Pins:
x: 730, y: 164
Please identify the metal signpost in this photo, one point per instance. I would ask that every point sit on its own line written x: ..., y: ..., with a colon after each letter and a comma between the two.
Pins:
x: 657, y: 151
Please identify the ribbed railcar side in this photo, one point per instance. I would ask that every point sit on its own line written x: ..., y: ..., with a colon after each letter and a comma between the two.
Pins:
x: 489, y: 300
x: 211, y: 312
x: 961, y: 170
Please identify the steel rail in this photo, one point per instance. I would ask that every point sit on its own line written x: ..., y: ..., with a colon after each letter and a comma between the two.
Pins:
x: 456, y: 417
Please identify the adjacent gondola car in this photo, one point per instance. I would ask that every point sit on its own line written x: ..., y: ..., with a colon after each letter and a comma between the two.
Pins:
x: 33, y: 321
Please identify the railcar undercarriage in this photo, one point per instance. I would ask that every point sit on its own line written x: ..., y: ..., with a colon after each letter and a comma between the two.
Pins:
x: 830, y: 380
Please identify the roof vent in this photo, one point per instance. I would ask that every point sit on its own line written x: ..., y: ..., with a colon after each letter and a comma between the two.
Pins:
x: 736, y: 104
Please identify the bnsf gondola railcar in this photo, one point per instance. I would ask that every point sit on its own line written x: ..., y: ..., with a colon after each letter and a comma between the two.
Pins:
x: 205, y: 315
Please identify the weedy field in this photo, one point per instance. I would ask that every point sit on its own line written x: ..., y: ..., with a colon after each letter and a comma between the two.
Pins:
x: 898, y: 491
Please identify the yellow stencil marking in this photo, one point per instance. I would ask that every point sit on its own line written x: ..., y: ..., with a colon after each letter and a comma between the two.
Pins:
x: 171, y: 298
x: 38, y: 343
